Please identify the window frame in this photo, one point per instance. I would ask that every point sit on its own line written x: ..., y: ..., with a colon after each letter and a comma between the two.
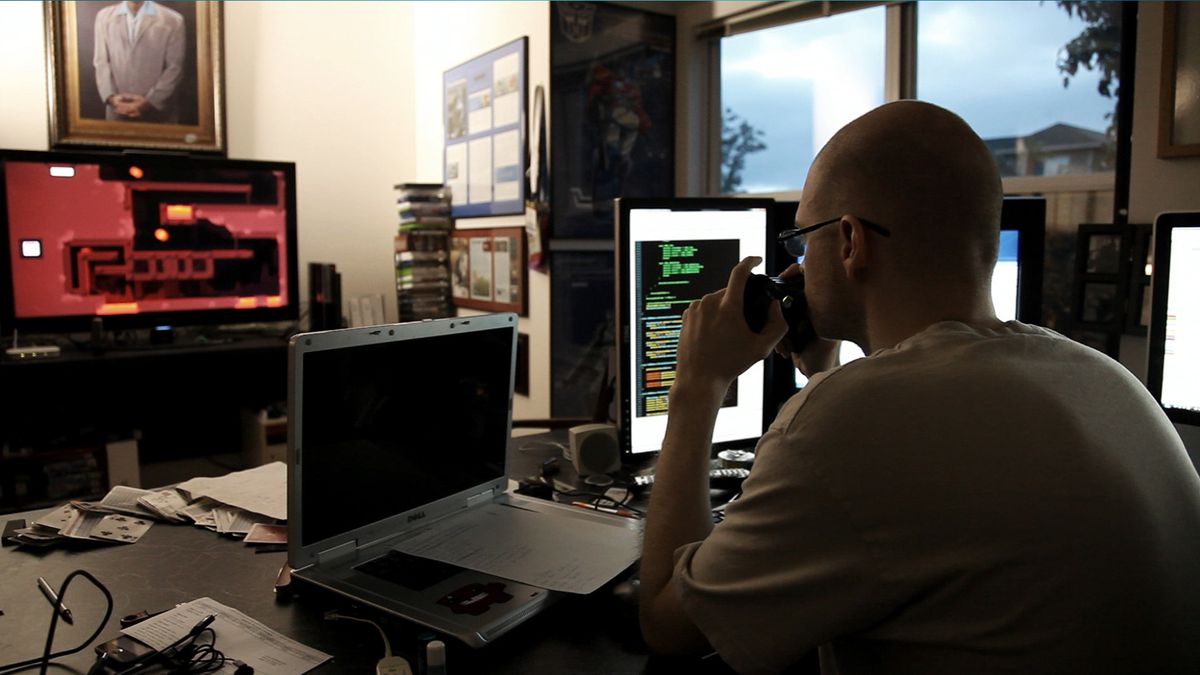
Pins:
x: 900, y: 82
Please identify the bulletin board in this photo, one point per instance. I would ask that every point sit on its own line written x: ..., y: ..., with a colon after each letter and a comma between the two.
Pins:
x: 484, y: 117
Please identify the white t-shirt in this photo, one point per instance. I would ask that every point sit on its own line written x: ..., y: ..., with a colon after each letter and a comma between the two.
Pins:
x: 969, y: 501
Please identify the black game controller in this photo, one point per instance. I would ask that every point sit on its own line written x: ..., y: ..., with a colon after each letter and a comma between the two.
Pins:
x: 759, y: 292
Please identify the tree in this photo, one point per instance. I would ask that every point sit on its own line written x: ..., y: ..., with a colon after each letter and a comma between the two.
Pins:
x: 738, y: 139
x: 1098, y: 47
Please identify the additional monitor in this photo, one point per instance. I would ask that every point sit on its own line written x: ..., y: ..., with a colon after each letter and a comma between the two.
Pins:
x: 144, y: 241
x: 1017, y: 277
x: 1173, y: 375
x: 669, y: 253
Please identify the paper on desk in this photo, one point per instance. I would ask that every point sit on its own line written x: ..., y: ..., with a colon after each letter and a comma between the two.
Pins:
x: 238, y: 637
x: 261, y: 490
x: 561, y: 554
x: 124, y: 499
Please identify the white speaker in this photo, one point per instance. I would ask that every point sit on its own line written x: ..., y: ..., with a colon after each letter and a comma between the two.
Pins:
x: 593, y: 449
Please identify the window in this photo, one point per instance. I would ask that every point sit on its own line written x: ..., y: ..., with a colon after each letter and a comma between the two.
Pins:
x: 1000, y: 65
x: 786, y: 90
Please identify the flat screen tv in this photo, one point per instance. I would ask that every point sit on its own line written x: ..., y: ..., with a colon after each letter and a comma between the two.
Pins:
x: 144, y: 241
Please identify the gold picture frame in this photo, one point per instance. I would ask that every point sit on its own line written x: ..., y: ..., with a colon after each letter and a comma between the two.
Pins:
x: 1179, y: 90
x: 166, y: 75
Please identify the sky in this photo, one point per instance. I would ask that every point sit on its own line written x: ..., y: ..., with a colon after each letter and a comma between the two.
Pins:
x: 993, y: 63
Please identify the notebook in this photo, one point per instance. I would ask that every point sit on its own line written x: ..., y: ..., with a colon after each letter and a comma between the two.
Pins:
x: 397, y: 488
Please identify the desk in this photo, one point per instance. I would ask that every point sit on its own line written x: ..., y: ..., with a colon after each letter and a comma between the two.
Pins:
x: 176, y: 563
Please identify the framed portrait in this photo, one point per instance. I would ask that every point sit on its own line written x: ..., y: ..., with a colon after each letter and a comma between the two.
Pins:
x: 487, y: 269
x: 136, y: 75
x: 1179, y: 88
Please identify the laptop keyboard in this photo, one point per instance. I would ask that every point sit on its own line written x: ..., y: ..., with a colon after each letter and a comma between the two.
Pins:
x: 409, y: 571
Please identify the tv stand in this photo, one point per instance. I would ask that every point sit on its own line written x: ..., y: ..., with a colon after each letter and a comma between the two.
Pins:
x: 185, y: 399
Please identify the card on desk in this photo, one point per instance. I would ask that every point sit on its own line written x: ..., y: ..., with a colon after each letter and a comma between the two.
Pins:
x: 261, y: 533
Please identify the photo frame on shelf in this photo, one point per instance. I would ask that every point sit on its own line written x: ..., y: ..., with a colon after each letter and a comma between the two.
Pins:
x: 487, y: 269
x: 1179, y: 83
x: 168, y: 95
x: 484, y: 114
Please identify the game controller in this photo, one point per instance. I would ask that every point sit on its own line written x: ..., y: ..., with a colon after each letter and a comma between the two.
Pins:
x: 756, y: 298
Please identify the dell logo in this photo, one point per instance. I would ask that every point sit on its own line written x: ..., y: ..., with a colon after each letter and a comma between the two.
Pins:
x: 416, y: 516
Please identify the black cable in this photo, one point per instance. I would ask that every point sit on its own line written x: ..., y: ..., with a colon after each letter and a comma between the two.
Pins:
x: 184, y: 658
x: 46, y: 656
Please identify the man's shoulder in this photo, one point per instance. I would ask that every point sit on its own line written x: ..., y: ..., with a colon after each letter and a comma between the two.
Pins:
x: 167, y: 14
x: 108, y: 12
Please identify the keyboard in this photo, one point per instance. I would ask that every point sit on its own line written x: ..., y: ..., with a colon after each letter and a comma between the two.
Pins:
x: 718, y: 478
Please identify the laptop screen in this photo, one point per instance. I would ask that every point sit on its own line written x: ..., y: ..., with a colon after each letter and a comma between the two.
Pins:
x: 395, y: 425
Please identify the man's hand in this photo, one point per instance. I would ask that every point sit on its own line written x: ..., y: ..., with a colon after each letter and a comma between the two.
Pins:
x: 820, y: 354
x: 126, y: 105
x: 715, y: 344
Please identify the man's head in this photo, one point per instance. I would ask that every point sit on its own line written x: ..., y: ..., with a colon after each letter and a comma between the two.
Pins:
x: 921, y: 172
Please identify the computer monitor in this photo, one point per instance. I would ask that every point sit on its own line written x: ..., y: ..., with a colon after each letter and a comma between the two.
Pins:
x: 1173, y: 372
x: 1017, y: 277
x: 144, y: 241
x: 669, y: 253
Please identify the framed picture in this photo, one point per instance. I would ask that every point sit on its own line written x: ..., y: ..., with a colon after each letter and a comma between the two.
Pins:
x: 487, y: 269
x: 1179, y: 88
x: 150, y: 79
x: 484, y: 111
x: 612, y: 101
x: 1104, y: 254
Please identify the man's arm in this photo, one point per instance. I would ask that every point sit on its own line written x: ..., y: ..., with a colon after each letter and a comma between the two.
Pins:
x: 164, y: 88
x: 715, y: 346
x: 104, y: 81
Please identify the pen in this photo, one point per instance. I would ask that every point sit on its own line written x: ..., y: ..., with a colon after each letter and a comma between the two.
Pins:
x: 49, y: 593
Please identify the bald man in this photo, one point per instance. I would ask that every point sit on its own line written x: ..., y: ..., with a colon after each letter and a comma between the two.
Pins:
x: 974, y: 497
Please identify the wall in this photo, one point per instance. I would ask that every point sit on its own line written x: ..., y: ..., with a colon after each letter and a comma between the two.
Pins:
x: 446, y: 35
x: 322, y: 84
x: 1155, y: 185
x: 23, y: 115
x: 325, y: 85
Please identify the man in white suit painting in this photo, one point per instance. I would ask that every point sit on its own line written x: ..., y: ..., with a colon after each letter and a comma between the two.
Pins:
x: 139, y: 55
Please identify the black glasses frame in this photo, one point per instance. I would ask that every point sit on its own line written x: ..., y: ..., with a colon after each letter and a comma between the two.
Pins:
x: 793, y: 239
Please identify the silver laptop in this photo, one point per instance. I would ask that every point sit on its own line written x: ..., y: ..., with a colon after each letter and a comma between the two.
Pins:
x: 397, y: 488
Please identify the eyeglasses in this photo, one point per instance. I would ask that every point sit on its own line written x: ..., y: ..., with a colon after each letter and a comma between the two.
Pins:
x: 794, y: 240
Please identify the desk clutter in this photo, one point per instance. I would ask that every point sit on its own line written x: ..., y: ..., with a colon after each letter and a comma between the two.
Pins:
x: 247, y: 504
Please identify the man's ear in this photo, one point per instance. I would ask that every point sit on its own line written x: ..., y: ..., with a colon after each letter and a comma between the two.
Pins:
x: 856, y: 247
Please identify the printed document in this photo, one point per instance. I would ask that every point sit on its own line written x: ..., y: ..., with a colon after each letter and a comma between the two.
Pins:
x: 238, y: 637
x: 261, y: 490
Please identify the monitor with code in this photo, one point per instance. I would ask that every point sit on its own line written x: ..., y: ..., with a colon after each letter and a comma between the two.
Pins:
x: 671, y: 252
x: 1173, y: 375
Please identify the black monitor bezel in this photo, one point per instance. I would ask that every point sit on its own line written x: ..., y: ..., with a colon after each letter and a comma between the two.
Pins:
x: 205, y: 317
x: 621, y: 210
x: 1027, y: 215
x: 1164, y: 225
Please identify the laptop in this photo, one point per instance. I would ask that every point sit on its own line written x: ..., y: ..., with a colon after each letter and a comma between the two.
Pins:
x: 398, y: 494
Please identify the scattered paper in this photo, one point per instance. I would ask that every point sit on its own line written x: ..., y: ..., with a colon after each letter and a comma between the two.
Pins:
x: 261, y: 490
x: 238, y: 637
x: 124, y: 499
x: 167, y: 503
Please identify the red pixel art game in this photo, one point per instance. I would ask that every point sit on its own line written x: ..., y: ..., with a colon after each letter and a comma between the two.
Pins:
x: 99, y: 240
